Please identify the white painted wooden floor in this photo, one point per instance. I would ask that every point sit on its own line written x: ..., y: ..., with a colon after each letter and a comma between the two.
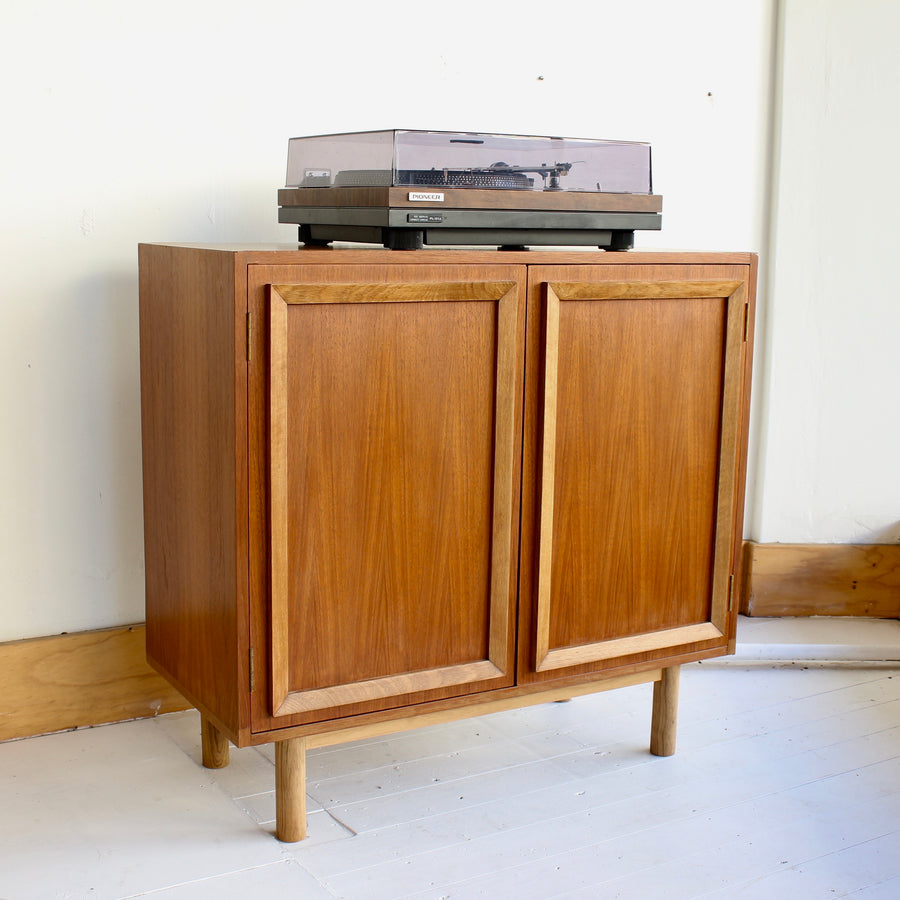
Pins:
x: 786, y: 784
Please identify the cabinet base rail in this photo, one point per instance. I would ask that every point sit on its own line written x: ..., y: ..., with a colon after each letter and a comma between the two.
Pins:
x: 290, y: 752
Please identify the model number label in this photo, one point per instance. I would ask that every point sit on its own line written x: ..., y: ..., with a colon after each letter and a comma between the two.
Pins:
x: 426, y: 197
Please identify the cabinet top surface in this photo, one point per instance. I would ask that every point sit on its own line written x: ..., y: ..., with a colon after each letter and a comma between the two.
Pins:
x: 352, y: 254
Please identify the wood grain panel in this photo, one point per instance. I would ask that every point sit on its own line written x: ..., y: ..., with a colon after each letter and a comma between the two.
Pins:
x: 76, y: 680
x: 392, y: 434
x: 191, y: 398
x: 465, y: 198
x: 638, y: 400
x: 641, y: 391
x: 644, y: 264
x: 637, y: 433
x: 391, y: 269
x: 210, y: 570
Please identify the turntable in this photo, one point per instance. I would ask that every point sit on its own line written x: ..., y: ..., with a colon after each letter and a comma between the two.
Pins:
x: 406, y: 189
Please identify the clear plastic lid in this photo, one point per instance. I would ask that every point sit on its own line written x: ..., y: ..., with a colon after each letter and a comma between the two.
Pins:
x: 445, y: 159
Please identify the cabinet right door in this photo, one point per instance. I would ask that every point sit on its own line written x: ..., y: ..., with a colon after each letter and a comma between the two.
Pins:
x: 635, y: 436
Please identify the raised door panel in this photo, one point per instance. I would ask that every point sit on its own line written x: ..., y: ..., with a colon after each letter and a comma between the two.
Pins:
x: 391, y: 510
x: 637, y: 455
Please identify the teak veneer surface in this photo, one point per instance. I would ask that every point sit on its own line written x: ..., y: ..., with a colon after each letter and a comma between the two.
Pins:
x: 400, y: 416
x: 654, y: 366
x: 399, y: 480
x: 638, y: 394
x: 244, y: 254
x: 190, y: 413
x: 367, y: 425
x: 388, y: 463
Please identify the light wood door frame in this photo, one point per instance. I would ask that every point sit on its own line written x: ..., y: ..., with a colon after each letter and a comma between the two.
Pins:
x: 734, y: 293
x: 500, y: 661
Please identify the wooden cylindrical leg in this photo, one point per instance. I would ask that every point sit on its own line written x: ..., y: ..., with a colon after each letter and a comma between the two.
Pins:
x: 290, y: 790
x: 215, y: 745
x: 665, y: 712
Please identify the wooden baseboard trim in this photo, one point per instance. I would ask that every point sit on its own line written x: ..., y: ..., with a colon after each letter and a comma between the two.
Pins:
x: 821, y: 580
x: 73, y: 680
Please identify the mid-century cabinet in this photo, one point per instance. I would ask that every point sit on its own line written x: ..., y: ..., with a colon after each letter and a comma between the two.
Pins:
x: 388, y: 488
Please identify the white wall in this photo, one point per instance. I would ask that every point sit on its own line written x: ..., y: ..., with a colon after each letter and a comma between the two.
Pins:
x: 828, y: 461
x: 129, y: 122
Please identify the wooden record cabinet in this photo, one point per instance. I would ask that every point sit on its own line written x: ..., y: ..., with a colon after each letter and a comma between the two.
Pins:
x: 384, y: 488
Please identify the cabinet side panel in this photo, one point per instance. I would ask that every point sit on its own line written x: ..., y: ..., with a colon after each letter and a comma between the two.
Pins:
x: 187, y: 328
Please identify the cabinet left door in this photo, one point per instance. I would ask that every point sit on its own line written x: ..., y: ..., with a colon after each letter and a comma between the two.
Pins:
x: 384, y: 421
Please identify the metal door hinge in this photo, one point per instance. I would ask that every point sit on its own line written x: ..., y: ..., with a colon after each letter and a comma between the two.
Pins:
x: 252, y: 672
x: 746, y: 321
x: 730, y: 592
